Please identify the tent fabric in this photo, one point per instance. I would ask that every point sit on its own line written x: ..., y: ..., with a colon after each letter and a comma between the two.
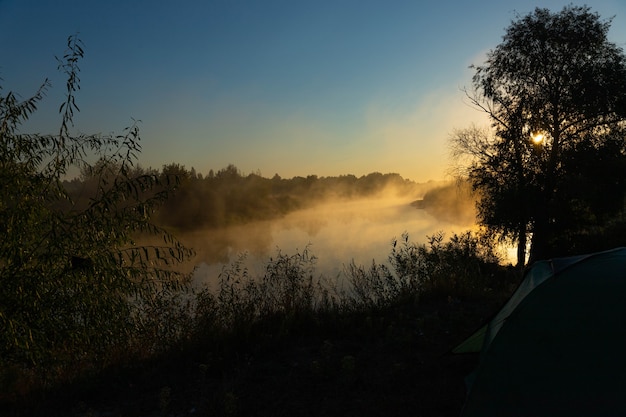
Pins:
x: 474, y: 343
x: 558, y: 346
x: 540, y: 271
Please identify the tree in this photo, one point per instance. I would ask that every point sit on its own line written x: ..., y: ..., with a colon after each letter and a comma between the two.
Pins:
x: 74, y: 283
x: 497, y: 172
x: 555, y: 92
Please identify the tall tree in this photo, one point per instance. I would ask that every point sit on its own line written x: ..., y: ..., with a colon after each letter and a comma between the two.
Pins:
x: 74, y: 285
x: 555, y: 92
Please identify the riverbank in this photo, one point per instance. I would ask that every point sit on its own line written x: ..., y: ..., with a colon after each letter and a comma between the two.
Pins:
x: 394, y: 362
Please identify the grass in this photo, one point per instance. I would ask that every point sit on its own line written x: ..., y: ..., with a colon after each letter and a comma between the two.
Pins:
x: 390, y: 362
x: 281, y: 345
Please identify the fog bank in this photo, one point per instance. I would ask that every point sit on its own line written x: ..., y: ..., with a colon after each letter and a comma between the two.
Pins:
x: 335, y: 232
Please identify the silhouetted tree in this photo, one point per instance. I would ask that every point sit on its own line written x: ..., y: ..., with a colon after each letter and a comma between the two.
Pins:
x: 73, y: 283
x: 231, y: 172
x: 177, y: 174
x: 555, y: 75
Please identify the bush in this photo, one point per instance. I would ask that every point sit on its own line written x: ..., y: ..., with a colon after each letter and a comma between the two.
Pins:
x: 457, y: 267
x: 75, y: 284
x: 288, y: 288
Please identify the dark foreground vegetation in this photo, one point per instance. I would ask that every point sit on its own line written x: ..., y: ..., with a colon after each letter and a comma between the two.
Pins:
x: 290, y: 343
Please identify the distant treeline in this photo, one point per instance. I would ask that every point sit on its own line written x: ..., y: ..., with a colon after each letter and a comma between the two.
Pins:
x: 452, y: 202
x: 228, y: 197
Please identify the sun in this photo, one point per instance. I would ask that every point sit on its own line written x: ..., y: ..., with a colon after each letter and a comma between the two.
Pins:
x: 537, y: 138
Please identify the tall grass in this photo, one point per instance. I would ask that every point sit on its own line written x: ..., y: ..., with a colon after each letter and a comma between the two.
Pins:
x: 289, y: 287
x: 288, y: 295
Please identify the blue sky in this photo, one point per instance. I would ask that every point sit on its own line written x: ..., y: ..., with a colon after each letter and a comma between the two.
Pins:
x: 288, y: 87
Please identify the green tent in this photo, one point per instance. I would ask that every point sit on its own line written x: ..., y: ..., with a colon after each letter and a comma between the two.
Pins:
x: 558, y: 346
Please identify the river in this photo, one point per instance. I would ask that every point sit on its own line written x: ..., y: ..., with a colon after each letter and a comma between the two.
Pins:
x: 336, y: 233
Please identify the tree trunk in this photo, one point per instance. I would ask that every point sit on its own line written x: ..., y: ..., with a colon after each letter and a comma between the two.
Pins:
x: 521, y: 246
x: 540, y: 243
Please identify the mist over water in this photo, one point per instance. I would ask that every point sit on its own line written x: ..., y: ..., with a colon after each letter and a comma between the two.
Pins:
x: 336, y: 233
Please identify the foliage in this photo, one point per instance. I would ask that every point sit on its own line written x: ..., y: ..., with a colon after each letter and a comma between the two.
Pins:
x: 457, y: 267
x: 74, y: 282
x: 287, y: 293
x: 249, y: 313
x: 229, y: 197
x: 288, y: 288
x: 555, y: 74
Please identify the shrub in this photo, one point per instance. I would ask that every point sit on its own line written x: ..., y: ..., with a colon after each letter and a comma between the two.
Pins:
x: 456, y: 267
x: 287, y: 288
x: 75, y: 284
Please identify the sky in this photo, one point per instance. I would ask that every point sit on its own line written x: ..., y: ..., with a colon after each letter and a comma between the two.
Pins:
x: 293, y: 88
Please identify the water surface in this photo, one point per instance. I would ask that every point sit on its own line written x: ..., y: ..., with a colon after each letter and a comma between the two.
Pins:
x: 336, y: 233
